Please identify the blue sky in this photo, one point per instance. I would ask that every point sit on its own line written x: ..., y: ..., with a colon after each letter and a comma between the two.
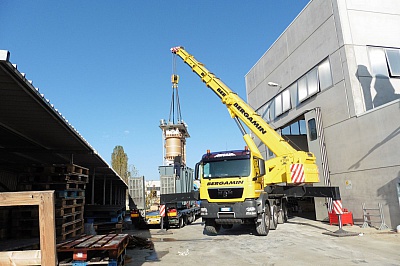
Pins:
x: 106, y: 65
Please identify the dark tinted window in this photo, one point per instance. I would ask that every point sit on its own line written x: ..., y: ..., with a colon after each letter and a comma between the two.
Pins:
x: 312, y: 129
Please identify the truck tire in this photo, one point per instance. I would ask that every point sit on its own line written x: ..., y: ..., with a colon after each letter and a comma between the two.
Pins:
x: 283, y: 213
x: 262, y: 227
x: 274, y: 217
x: 191, y: 218
x: 181, y: 223
x: 212, y: 227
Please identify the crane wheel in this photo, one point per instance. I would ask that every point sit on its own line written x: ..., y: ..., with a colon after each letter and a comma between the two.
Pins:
x: 262, y: 226
x: 283, y: 213
x: 274, y: 217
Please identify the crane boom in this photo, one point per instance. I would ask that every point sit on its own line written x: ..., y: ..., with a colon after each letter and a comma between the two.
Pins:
x: 238, y: 107
x: 286, y: 156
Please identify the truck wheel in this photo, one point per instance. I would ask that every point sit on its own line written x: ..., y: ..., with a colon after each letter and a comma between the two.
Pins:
x: 274, y: 218
x: 212, y: 227
x: 191, y: 218
x: 283, y: 214
x: 181, y: 223
x: 262, y: 226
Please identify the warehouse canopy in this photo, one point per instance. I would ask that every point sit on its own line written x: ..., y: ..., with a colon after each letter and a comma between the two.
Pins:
x: 33, y: 132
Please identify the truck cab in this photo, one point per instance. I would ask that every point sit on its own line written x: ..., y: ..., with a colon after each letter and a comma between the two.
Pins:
x: 230, y: 184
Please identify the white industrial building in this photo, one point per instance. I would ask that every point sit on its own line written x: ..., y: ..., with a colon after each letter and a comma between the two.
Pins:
x: 331, y: 84
x: 153, y: 186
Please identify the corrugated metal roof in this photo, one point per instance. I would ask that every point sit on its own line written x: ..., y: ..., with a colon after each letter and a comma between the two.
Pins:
x: 34, y: 132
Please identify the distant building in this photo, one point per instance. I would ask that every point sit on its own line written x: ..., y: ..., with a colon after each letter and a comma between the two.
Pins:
x: 153, y: 185
x: 331, y: 85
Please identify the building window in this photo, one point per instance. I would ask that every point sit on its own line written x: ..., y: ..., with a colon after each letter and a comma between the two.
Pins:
x: 324, y: 75
x: 312, y: 82
x: 264, y: 112
x: 302, y: 89
x: 296, y: 128
x: 286, y: 104
x: 380, y: 86
x: 385, y: 62
x: 378, y: 62
x: 282, y: 102
x: 317, y: 79
x: 308, y: 85
x: 312, y: 129
x: 278, y: 104
x: 393, y: 59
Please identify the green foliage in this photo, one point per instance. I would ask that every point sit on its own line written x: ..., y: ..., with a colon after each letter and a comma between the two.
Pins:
x: 119, y: 162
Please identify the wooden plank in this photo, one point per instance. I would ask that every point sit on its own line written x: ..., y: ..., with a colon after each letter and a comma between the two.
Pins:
x: 29, y: 257
x: 117, y: 240
x: 20, y: 198
x: 47, y: 227
x: 88, y: 243
x: 71, y: 244
x: 104, y: 241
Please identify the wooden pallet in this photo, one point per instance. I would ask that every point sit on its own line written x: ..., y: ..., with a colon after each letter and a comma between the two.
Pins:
x: 70, y: 230
x: 59, y: 169
x: 68, y: 218
x: 61, y: 178
x: 86, y: 249
x: 76, y: 169
x: 51, y: 186
x: 69, y: 202
x: 70, y: 193
x: 69, y: 210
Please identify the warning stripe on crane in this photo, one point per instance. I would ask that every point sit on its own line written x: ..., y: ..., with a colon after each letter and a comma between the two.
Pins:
x: 297, y: 173
x: 337, y: 207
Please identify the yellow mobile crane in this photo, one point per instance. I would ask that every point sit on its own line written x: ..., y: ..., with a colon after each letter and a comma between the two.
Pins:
x: 240, y: 186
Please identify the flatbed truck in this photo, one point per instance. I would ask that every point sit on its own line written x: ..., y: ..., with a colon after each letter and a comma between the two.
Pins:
x: 178, y: 195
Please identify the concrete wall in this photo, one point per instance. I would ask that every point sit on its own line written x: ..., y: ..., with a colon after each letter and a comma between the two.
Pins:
x: 362, y: 137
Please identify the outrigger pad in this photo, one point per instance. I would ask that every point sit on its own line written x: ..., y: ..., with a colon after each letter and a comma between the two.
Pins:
x: 341, y: 233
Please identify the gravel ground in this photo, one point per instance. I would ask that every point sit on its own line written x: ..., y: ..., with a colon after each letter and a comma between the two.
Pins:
x: 298, y: 242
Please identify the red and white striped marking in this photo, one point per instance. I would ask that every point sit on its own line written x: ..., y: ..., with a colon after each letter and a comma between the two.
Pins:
x: 297, y: 172
x: 162, y: 210
x: 337, y: 207
x: 175, y: 49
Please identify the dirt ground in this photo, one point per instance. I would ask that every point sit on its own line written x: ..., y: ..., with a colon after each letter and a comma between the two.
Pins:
x: 298, y: 242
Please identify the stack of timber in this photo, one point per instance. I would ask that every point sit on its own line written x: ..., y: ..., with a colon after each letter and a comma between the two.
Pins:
x: 107, y: 249
x: 105, y: 218
x: 69, y: 182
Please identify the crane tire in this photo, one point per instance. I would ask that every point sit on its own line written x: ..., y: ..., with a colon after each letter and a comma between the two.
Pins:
x: 274, y: 217
x: 262, y: 227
